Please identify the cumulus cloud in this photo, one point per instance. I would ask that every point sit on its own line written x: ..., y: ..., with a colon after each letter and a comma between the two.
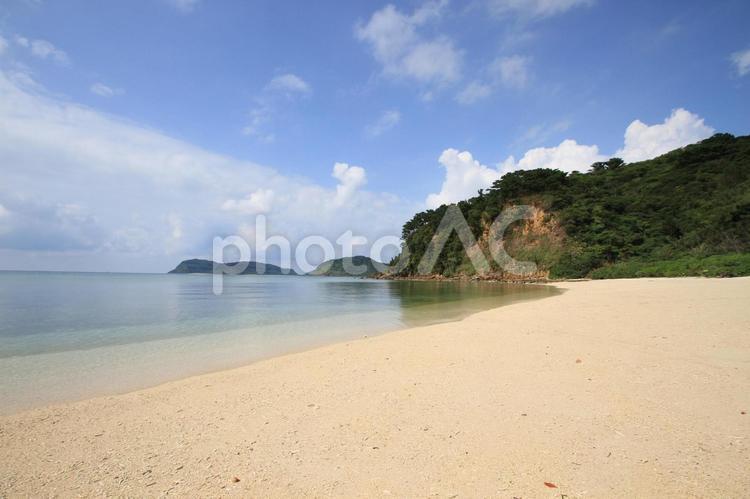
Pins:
x: 403, y: 51
x: 80, y: 182
x: 642, y: 142
x: 385, y: 122
x: 103, y: 90
x: 43, y: 49
x: 531, y: 9
x: 256, y: 203
x: 433, y: 61
x: 645, y: 142
x: 464, y: 176
x: 568, y: 156
x: 289, y: 83
x: 741, y: 61
x: 350, y: 179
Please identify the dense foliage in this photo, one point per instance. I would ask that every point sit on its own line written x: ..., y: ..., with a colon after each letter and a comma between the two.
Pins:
x: 618, y: 219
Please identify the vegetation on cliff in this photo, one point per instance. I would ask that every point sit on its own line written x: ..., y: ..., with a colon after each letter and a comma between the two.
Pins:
x: 684, y: 213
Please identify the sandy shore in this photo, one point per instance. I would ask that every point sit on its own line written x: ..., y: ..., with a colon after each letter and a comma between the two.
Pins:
x: 613, y: 388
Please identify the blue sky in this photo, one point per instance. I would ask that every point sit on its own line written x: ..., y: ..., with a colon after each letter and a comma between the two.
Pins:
x: 137, y: 131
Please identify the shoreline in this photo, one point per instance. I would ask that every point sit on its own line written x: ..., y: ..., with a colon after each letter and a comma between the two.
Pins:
x: 227, y: 353
x: 496, y: 403
x: 491, y: 277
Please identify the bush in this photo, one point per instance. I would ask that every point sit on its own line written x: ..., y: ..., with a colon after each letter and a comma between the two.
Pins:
x: 729, y: 265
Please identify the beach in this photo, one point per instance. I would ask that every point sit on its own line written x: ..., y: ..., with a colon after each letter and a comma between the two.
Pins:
x: 615, y: 388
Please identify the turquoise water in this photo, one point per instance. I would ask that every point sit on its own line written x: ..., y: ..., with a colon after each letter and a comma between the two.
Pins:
x: 66, y: 336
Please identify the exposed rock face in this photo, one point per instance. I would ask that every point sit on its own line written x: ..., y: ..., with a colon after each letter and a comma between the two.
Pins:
x: 526, y: 240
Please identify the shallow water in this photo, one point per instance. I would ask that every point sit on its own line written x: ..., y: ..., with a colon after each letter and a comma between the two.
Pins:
x: 66, y: 336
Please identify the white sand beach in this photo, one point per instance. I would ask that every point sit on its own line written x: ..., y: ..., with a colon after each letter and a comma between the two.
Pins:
x: 626, y: 388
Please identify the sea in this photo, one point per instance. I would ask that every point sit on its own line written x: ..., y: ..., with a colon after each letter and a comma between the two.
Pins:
x: 67, y: 336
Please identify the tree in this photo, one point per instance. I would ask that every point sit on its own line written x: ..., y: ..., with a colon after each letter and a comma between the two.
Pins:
x: 610, y: 164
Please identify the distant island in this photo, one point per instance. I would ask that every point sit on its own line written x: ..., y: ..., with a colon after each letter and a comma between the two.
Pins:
x: 338, y: 267
x: 198, y: 266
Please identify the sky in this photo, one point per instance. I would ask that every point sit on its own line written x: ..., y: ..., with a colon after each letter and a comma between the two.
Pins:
x: 134, y: 133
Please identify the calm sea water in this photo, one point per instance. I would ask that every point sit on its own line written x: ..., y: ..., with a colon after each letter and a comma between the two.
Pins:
x: 65, y: 336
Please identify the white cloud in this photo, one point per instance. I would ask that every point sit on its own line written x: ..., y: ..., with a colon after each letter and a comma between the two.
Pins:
x: 568, y: 156
x: 183, y: 6
x: 434, y: 61
x: 510, y: 72
x: 3, y: 45
x: 473, y: 92
x: 103, y: 90
x: 259, y: 116
x: 42, y: 49
x: 277, y: 93
x: 642, y: 142
x: 645, y: 142
x: 404, y: 52
x: 464, y: 176
x: 256, y: 203
x: 290, y: 83
x: 530, y: 9
x: 350, y: 179
x: 541, y: 132
x: 175, y: 222
x: 741, y: 62
x: 4, y: 219
x: 385, y: 122
x: 77, y: 180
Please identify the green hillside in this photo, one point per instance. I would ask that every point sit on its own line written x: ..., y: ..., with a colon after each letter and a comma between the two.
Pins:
x: 356, y: 266
x: 684, y: 213
x: 198, y: 266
